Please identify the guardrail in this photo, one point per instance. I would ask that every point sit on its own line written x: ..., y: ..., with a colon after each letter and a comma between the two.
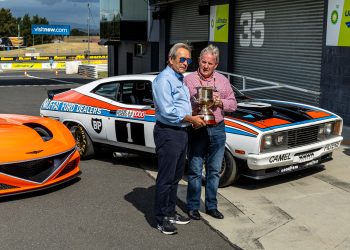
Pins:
x: 274, y: 85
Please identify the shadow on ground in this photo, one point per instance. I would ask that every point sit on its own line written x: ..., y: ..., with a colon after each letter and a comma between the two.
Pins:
x: 143, y: 200
x: 39, y: 192
x: 347, y: 151
x: 251, y: 184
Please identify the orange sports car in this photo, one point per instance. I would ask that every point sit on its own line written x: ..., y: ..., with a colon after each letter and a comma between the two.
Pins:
x: 35, y: 153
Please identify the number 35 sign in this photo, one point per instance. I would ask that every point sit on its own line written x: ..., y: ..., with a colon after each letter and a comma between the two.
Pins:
x: 253, y: 29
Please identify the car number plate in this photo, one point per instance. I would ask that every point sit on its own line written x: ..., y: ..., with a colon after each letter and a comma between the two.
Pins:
x: 304, y: 157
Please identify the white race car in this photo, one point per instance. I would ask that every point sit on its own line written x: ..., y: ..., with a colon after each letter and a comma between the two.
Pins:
x: 265, y: 138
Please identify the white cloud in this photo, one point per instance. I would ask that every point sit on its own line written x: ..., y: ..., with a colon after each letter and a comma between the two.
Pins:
x: 56, y: 11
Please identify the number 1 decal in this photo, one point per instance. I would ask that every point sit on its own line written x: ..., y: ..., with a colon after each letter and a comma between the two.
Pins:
x: 130, y: 132
x: 128, y: 126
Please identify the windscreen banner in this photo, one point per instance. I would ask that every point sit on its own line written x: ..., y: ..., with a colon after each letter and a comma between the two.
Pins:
x: 55, y: 30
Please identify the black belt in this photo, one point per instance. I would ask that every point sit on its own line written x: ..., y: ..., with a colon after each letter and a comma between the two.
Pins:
x: 162, y: 125
x: 214, y: 125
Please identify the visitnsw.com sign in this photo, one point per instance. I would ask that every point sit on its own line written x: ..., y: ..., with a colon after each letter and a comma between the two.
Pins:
x: 56, y: 30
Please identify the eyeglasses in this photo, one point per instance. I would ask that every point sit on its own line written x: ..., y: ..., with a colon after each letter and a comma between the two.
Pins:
x: 184, y: 59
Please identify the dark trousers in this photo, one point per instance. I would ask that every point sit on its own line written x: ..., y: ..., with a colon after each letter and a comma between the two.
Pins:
x: 171, y: 147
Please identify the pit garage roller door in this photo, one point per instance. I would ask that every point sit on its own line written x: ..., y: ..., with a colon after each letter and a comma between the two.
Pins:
x: 280, y: 41
x: 186, y: 25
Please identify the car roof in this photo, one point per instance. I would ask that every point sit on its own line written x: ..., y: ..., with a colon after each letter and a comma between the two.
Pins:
x: 92, y: 85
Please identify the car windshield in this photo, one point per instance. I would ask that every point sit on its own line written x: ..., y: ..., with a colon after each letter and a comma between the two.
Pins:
x: 238, y: 94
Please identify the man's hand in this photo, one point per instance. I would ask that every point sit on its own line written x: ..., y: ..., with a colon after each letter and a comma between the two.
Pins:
x: 196, y: 121
x: 217, y: 101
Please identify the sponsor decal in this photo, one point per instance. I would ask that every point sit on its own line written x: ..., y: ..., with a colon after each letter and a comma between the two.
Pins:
x: 299, y: 166
x: 80, y: 108
x: 130, y: 113
x: 331, y: 146
x: 70, y: 107
x: 96, y: 124
x: 289, y: 169
x: 310, y: 163
x: 305, y: 157
x: 280, y: 158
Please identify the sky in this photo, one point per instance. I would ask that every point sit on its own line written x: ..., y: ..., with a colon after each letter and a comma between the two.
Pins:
x: 65, y: 12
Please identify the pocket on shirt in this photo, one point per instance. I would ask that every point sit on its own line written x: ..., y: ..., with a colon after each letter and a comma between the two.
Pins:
x: 178, y: 92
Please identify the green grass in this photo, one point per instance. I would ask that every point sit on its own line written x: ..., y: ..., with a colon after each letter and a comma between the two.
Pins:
x: 102, y: 74
x: 58, y: 49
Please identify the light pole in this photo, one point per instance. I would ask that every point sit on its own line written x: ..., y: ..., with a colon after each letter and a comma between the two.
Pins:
x: 18, y: 35
x: 88, y: 52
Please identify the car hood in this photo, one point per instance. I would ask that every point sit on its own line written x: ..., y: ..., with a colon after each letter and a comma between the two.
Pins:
x: 20, y: 142
x: 270, y: 114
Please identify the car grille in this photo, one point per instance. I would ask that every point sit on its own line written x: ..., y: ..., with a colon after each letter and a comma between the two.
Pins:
x: 302, y: 136
x: 70, y: 167
x: 5, y: 186
x: 35, y: 170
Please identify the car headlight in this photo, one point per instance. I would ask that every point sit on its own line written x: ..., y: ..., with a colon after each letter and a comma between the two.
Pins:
x: 267, y: 141
x: 275, y: 140
x: 327, y: 129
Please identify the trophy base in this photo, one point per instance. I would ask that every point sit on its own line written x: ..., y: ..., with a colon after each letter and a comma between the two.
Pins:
x: 209, y: 119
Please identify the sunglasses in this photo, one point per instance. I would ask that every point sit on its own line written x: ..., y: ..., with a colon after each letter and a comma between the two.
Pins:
x: 184, y: 59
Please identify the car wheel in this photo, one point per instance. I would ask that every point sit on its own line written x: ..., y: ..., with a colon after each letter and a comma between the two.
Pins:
x: 84, y: 143
x: 229, y: 170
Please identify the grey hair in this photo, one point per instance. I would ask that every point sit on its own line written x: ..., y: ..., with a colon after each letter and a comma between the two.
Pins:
x: 172, y: 52
x: 210, y: 49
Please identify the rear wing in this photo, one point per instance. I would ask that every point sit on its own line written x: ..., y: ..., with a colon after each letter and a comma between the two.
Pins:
x: 51, y: 93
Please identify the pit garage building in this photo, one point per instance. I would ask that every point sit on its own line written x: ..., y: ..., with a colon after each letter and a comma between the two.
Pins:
x: 291, y: 50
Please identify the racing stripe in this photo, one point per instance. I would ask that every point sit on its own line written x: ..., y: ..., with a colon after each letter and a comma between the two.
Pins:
x: 241, y: 127
x: 267, y: 123
x: 72, y: 96
x: 317, y: 114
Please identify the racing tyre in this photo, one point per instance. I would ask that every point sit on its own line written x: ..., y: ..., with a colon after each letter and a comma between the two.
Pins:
x: 229, y: 170
x: 84, y: 143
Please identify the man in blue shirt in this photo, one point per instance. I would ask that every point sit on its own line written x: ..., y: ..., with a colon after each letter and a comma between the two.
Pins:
x: 174, y: 116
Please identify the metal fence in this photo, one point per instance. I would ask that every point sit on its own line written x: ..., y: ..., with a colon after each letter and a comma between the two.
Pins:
x: 266, y: 89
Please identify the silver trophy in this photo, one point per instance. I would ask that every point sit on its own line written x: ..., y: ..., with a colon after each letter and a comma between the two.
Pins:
x: 205, y: 101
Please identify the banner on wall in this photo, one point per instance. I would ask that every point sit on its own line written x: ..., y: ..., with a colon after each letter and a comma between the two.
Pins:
x: 338, y: 23
x: 218, y: 26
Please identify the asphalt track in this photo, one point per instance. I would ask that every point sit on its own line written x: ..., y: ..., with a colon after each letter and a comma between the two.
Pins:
x: 109, y: 207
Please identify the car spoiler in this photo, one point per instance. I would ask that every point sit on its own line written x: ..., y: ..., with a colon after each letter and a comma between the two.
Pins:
x: 51, y: 93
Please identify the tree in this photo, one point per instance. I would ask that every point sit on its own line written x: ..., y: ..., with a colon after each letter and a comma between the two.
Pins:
x: 26, y: 29
x: 76, y: 32
x: 9, y: 27
x: 8, y: 23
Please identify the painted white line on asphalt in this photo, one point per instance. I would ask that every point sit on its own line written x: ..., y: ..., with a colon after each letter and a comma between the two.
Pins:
x: 13, y: 76
x: 52, y: 79
x: 31, y: 85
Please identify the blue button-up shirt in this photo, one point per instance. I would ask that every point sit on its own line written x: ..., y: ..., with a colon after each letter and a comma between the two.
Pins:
x: 171, y: 98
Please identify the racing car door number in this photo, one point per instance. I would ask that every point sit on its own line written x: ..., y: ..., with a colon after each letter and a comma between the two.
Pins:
x: 130, y: 132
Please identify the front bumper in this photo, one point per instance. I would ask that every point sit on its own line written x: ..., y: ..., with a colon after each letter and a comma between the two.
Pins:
x: 295, y: 156
x: 276, y: 171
